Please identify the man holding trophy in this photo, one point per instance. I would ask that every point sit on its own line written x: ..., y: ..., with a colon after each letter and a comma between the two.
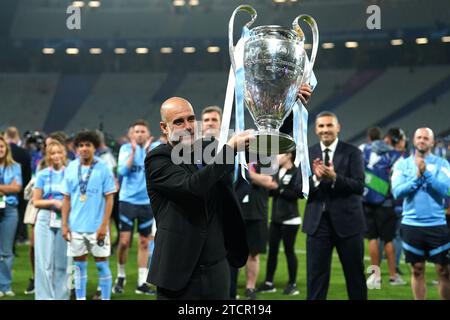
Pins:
x: 270, y: 65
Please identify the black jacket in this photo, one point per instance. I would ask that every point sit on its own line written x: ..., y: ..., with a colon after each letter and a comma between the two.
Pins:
x: 181, y: 196
x: 344, y: 200
x: 285, y: 198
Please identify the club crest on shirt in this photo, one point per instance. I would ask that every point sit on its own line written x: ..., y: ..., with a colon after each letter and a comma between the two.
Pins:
x: 287, y: 178
x: 431, y: 167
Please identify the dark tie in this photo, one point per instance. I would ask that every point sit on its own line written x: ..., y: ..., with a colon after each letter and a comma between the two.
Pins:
x: 327, y: 156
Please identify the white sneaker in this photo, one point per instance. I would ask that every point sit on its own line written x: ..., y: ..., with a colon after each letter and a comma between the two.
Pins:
x: 398, y: 281
x: 9, y: 293
x: 374, y: 281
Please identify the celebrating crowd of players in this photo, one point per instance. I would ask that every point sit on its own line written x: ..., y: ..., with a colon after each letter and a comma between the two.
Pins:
x: 70, y: 209
x: 78, y: 190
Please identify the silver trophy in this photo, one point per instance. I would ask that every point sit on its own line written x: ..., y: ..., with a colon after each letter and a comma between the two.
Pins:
x: 275, y: 65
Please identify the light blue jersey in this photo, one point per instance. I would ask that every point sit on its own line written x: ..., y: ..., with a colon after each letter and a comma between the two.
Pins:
x: 50, y: 181
x: 133, y: 188
x: 86, y: 216
x: 7, y: 175
x: 424, y: 197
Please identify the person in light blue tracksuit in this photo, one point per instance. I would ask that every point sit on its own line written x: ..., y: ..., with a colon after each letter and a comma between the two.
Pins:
x: 134, y: 206
x: 10, y: 186
x: 423, y: 180
x: 51, y: 278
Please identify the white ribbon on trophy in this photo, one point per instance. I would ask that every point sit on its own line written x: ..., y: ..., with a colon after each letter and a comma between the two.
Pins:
x: 300, y: 130
x: 236, y: 86
x: 235, y: 90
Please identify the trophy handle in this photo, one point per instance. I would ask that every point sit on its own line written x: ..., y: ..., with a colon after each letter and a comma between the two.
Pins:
x: 315, y: 31
x: 249, y: 9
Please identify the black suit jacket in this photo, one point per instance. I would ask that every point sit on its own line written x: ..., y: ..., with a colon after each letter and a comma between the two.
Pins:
x: 344, y: 200
x: 179, y: 196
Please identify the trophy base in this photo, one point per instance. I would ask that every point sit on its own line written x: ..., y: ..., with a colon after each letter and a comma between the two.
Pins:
x: 271, y: 143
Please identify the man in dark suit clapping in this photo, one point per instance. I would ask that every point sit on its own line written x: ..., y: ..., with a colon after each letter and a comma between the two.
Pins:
x: 199, y: 221
x: 334, y: 213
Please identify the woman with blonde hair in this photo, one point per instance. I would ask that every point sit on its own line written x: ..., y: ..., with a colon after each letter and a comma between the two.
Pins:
x: 51, y: 279
x: 10, y: 186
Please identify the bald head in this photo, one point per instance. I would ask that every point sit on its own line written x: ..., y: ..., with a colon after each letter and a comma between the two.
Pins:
x: 171, y: 103
x: 425, y: 131
x: 423, y: 140
x: 178, y: 120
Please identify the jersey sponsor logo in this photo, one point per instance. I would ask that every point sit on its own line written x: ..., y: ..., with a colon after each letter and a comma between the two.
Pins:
x: 57, y: 187
x: 93, y: 191
x: 124, y: 155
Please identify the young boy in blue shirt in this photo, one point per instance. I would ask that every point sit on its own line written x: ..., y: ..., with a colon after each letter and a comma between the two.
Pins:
x: 88, y: 191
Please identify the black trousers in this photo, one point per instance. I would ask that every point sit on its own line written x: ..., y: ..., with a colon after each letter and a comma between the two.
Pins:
x: 288, y: 234
x: 234, y: 275
x: 207, y: 283
x: 319, y: 249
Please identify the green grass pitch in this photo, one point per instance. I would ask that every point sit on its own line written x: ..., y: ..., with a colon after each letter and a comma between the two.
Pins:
x: 337, y: 291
